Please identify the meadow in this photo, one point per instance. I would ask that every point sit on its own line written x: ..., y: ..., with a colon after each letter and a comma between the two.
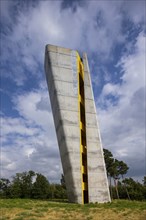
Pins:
x: 27, y: 209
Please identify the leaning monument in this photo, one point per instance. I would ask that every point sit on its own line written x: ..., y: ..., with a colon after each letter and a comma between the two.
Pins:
x: 77, y: 130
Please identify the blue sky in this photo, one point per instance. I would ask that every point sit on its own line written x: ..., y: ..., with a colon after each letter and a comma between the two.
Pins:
x: 112, y: 33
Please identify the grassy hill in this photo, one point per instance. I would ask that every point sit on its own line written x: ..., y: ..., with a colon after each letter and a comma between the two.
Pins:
x: 26, y: 209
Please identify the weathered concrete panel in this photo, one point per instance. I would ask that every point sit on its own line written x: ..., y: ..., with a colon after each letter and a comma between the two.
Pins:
x: 96, y: 167
x: 62, y: 83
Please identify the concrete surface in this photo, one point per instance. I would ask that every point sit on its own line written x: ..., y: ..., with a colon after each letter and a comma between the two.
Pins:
x: 62, y: 80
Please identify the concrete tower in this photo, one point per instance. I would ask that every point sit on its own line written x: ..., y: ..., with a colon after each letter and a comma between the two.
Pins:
x: 75, y: 120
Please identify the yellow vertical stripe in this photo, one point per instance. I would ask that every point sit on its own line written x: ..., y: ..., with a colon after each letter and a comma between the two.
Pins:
x: 83, y: 149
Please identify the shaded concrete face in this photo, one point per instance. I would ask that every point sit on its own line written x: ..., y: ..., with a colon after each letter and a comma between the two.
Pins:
x: 63, y: 85
x: 97, y: 178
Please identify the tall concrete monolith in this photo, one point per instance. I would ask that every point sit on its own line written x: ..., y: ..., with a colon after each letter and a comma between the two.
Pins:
x: 76, y: 125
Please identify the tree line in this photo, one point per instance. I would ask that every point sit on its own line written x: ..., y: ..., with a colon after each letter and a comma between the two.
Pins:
x: 36, y: 186
x: 123, y: 188
x: 31, y: 185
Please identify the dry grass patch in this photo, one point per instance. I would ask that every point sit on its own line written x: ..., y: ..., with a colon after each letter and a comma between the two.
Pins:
x: 113, y: 214
x: 21, y: 209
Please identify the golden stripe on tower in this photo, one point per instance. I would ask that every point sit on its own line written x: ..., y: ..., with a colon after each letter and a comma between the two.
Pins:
x: 82, y: 124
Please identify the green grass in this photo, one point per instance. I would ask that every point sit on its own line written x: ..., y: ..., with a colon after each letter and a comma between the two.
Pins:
x: 44, y: 205
x: 27, y: 209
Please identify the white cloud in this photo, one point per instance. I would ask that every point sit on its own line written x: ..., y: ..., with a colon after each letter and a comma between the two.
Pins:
x: 123, y: 125
x: 29, y: 141
x: 110, y: 89
x: 48, y: 23
x: 135, y: 10
x: 19, y: 127
x: 35, y: 106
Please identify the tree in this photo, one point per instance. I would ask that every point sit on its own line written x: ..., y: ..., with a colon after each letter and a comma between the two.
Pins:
x: 123, y: 168
x: 5, y: 187
x: 115, y: 169
x: 22, y: 184
x: 144, y: 186
x: 62, y: 180
x: 60, y: 192
x: 16, y: 186
x: 135, y: 189
x: 27, y: 183
x: 144, y: 180
x: 40, y: 187
x: 114, y: 172
x: 109, y: 160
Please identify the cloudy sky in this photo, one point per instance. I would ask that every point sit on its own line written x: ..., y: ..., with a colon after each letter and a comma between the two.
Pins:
x: 112, y: 33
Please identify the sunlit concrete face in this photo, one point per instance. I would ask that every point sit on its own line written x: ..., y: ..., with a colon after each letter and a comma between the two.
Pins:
x: 75, y: 120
